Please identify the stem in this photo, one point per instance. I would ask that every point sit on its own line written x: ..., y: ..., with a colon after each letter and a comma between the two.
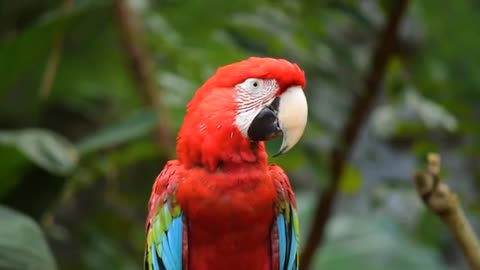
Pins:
x: 54, y: 57
x: 437, y: 196
x: 459, y: 226
x: 362, y: 107
x: 142, y: 68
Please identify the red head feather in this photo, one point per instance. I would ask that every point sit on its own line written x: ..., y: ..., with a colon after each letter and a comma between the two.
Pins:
x: 208, y: 136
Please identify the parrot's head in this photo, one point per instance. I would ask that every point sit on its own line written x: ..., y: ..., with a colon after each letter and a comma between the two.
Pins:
x: 242, y: 105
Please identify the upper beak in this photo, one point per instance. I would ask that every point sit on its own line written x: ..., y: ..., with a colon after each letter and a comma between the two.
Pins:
x: 286, y: 115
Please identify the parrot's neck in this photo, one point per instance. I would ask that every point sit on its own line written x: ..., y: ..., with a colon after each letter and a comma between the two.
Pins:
x: 218, y: 146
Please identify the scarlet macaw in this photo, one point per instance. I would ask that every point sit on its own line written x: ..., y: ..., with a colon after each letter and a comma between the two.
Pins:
x: 220, y: 205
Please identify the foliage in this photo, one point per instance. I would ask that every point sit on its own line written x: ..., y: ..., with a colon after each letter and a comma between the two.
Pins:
x: 81, y: 162
x: 22, y: 243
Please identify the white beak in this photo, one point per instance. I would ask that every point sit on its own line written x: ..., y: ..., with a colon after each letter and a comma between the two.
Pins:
x: 292, y: 117
x: 286, y: 115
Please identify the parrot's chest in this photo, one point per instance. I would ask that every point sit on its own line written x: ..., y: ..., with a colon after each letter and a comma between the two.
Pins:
x: 225, y: 203
x: 229, y: 223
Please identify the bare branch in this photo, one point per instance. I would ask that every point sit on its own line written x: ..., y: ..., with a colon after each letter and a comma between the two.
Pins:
x: 54, y: 57
x: 442, y: 201
x: 142, y: 68
x: 362, y: 107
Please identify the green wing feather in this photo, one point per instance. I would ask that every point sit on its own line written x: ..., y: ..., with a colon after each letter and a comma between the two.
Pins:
x: 164, y: 246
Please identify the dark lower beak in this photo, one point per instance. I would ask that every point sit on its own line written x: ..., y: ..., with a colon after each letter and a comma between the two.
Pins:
x: 265, y: 125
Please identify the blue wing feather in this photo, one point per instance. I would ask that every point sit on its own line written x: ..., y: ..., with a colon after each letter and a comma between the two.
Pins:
x: 175, y: 234
x: 287, y: 235
x: 156, y: 265
x: 165, y: 230
x: 293, y: 252
x: 287, y: 221
x: 281, y: 224
x: 166, y: 246
x: 167, y: 256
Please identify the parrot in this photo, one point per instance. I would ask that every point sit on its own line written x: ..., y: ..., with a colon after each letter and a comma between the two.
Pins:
x: 220, y: 205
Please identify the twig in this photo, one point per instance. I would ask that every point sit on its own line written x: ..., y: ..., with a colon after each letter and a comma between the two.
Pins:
x: 442, y: 201
x: 362, y: 107
x: 54, y: 57
x: 142, y: 68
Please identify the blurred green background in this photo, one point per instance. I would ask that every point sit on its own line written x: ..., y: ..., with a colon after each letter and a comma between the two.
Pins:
x: 83, y: 133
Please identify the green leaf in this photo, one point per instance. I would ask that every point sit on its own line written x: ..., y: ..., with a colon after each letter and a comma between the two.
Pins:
x: 22, y: 243
x: 412, y: 116
x: 430, y: 230
x: 373, y: 242
x: 131, y: 128
x: 13, y: 163
x: 47, y: 149
x: 32, y: 46
x: 20, y: 53
x: 352, y: 180
x: 318, y: 164
x: 291, y: 161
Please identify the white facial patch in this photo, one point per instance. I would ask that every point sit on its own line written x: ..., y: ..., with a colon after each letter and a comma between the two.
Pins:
x: 252, y: 95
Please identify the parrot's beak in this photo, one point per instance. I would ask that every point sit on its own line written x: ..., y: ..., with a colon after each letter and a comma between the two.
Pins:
x: 286, y: 115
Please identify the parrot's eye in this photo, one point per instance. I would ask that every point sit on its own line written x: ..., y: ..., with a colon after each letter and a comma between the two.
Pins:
x: 258, y: 88
x: 252, y: 84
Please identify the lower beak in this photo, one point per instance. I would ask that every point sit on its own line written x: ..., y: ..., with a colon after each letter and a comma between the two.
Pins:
x: 286, y: 115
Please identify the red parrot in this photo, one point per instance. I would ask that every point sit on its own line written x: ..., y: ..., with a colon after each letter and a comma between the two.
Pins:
x: 220, y: 205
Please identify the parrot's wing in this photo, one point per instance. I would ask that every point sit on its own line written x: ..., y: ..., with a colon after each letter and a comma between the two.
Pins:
x: 165, y: 228
x: 287, y: 228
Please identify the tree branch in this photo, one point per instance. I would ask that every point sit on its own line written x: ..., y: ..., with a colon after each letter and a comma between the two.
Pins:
x: 142, y: 68
x: 437, y: 196
x: 54, y: 57
x: 362, y: 107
